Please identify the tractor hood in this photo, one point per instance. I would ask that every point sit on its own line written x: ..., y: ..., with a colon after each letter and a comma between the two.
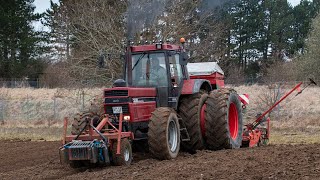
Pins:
x: 130, y: 92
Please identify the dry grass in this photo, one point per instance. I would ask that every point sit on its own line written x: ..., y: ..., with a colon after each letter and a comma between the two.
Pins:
x: 296, y: 121
x: 27, y: 107
x: 301, y: 111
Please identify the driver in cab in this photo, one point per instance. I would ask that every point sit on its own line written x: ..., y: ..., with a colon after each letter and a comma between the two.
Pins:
x: 157, y: 72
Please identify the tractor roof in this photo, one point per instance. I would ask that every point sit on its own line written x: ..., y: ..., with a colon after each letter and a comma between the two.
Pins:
x: 154, y: 47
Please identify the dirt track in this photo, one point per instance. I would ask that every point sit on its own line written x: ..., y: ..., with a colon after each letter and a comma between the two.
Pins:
x: 39, y: 160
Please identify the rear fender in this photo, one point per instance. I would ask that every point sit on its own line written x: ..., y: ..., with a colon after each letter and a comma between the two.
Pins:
x: 244, y: 98
x: 192, y: 86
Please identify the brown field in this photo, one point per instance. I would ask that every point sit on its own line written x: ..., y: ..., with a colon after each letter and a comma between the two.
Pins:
x: 39, y: 160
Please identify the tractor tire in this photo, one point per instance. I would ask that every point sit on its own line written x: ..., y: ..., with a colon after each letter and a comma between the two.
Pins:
x: 79, y: 122
x: 125, y: 157
x: 223, y: 120
x: 190, y: 112
x: 164, y: 134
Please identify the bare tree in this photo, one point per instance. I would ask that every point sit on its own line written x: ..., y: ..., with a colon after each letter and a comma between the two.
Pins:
x: 99, y: 28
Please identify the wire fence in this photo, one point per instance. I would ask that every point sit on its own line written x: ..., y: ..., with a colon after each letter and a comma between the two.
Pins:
x: 19, y: 83
x: 32, y: 108
x: 42, y: 111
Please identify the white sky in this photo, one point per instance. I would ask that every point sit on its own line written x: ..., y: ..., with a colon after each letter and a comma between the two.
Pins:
x: 42, y: 5
x: 294, y: 2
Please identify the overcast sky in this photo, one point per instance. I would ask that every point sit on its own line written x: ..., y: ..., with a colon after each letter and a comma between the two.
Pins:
x: 42, y: 5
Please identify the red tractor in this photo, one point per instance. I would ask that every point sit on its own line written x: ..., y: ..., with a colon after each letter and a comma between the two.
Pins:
x: 162, y: 102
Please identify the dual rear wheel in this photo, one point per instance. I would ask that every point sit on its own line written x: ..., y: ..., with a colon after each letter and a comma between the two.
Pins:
x: 223, y: 120
x: 213, y: 121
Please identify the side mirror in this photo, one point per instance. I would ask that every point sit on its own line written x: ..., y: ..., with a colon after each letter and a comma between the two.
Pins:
x: 183, y: 58
x: 119, y: 83
x: 123, y: 57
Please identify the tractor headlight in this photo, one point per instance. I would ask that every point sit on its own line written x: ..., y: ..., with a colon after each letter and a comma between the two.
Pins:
x: 126, y: 118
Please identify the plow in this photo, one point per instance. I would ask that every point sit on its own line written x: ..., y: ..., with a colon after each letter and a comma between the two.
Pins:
x: 163, y: 104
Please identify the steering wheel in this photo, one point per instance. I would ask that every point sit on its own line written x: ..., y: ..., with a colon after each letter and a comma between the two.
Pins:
x: 151, y: 74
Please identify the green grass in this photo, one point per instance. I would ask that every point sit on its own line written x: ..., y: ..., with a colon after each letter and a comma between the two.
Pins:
x: 294, y: 138
x: 31, y: 133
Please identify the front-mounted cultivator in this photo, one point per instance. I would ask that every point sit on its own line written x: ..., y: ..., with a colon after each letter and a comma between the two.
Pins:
x: 97, y: 145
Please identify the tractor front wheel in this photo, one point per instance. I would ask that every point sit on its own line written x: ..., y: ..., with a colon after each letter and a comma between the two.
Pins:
x: 164, y: 134
x: 125, y: 156
x: 223, y: 120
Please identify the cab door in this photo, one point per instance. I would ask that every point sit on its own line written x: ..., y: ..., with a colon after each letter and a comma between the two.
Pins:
x: 176, y: 77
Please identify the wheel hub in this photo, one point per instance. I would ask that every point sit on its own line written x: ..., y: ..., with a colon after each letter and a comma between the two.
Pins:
x: 233, y: 121
x: 172, y: 136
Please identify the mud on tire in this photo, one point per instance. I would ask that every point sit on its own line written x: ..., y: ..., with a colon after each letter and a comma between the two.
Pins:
x: 223, y: 120
x: 125, y: 157
x: 164, y: 134
x: 189, y: 110
x: 79, y: 122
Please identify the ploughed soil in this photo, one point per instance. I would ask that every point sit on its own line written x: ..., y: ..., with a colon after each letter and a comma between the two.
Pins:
x: 40, y: 160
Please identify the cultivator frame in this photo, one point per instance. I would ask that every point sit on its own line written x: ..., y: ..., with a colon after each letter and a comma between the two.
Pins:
x: 253, y: 134
x: 95, y: 145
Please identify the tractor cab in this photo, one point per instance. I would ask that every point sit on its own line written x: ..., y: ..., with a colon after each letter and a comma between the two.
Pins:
x: 160, y: 66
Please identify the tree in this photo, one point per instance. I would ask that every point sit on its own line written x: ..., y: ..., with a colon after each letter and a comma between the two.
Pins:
x: 20, y: 44
x: 81, y: 31
x: 309, y: 63
x: 303, y: 15
x: 59, y: 34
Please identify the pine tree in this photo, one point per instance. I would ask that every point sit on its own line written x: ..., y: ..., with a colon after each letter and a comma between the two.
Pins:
x: 57, y: 20
x: 19, y: 42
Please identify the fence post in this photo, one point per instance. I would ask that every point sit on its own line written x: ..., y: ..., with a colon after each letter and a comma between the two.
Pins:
x: 277, y: 99
x: 1, y: 111
x: 27, y: 108
x: 82, y: 104
x: 54, y: 110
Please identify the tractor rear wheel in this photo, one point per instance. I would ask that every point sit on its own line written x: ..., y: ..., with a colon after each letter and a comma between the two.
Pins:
x: 125, y: 156
x: 164, y: 134
x: 80, y: 122
x: 223, y: 120
x: 190, y: 111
